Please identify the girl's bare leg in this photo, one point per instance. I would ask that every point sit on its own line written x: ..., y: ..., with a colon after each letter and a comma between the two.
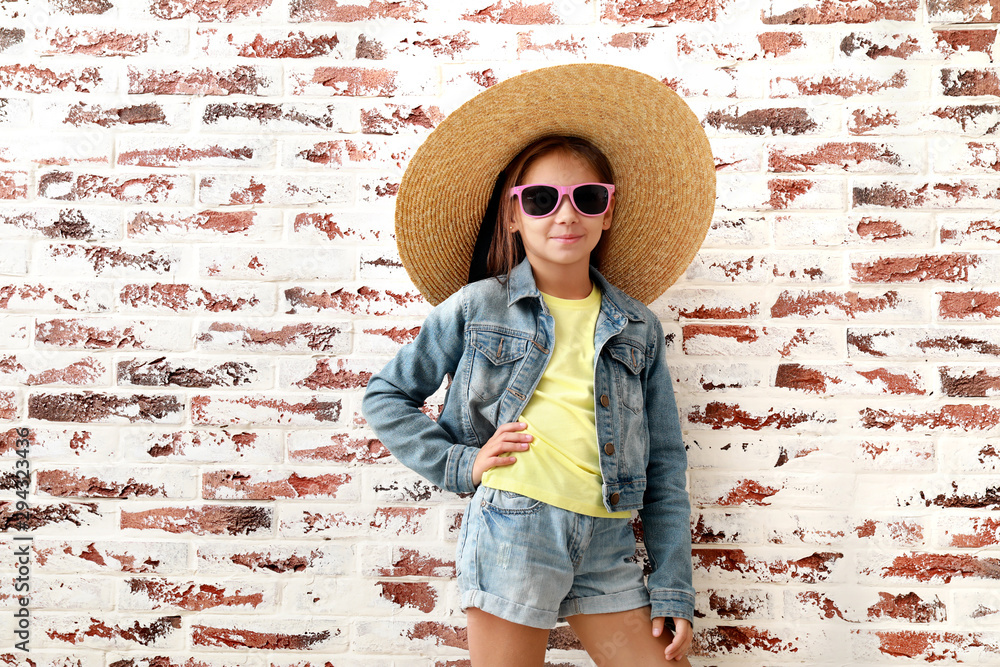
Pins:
x: 623, y: 639
x: 495, y: 642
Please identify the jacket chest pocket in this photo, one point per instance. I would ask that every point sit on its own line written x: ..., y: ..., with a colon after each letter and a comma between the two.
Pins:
x: 628, y: 361
x: 494, y: 360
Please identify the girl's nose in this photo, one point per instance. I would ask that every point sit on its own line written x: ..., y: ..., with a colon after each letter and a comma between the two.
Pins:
x: 565, y: 209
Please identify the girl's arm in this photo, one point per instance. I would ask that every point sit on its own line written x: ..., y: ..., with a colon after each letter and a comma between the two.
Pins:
x: 395, y: 395
x: 666, y: 511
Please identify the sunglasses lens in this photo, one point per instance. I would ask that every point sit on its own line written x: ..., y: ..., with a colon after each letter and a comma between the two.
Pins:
x: 591, y: 199
x: 539, y: 200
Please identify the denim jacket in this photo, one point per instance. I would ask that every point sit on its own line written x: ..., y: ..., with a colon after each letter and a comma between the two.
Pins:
x: 495, y: 340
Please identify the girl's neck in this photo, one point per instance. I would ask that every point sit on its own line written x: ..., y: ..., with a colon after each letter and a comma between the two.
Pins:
x: 564, y: 282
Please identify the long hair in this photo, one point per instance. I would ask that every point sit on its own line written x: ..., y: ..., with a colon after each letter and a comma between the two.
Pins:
x: 506, y: 250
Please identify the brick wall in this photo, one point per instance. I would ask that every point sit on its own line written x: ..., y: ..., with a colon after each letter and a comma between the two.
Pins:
x: 198, y: 275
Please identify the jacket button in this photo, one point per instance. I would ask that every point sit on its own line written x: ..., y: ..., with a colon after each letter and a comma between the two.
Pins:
x: 604, y: 400
x: 609, y: 449
x: 614, y: 498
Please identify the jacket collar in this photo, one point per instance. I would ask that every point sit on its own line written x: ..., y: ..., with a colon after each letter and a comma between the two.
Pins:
x: 521, y: 284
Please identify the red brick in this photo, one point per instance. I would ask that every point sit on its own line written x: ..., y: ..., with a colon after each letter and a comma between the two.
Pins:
x: 238, y: 80
x: 969, y: 305
x: 130, y: 189
x: 836, y: 380
x: 668, y: 11
x: 159, y: 593
x: 14, y: 185
x: 192, y: 373
x: 77, y: 483
x: 107, y: 261
x: 355, y: 82
x: 414, y: 595
x: 745, y: 340
x: 75, y: 297
x: 828, y: 11
x: 204, y: 446
x: 156, y: 225
x: 918, y: 343
x: 839, y: 85
x: 963, y: 382
x: 514, y: 12
x: 179, y: 297
x: 968, y: 192
x: 260, y: 409
x: 951, y: 268
x: 838, y: 305
x: 362, y: 301
x: 955, y: 42
x: 268, y: 44
x: 743, y: 640
x: 120, y: 632
x: 962, y: 418
x: 766, y: 121
x: 970, y: 532
x: 298, y: 337
x: 392, y: 119
x: 206, y: 10
x: 336, y: 448
x: 102, y: 557
x: 286, y: 558
x: 965, y: 82
x: 239, y: 188
x: 84, y: 114
x: 271, y: 117
x: 243, y: 638
x: 888, y: 230
x: 29, y: 78
x: 190, y: 153
x: 720, y: 415
x: 964, y: 231
x: 385, y: 521
x: 840, y: 157
x: 337, y: 12
x: 203, y: 520
x: 105, y: 408
x: 729, y: 605
x: 272, y: 484
x: 729, y: 527
x: 102, y: 334
x: 11, y: 39
x: 61, y: 516
x: 110, y: 43
x: 340, y: 153
x: 817, y: 567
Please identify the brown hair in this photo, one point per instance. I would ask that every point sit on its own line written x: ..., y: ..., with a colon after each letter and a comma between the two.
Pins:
x: 506, y: 250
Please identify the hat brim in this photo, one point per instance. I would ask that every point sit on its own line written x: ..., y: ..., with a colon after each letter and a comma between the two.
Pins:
x: 660, y: 155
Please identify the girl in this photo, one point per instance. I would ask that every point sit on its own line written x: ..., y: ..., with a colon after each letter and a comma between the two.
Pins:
x: 559, y: 414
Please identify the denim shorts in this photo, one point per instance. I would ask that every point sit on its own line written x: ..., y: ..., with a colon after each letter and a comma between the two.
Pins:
x: 531, y: 563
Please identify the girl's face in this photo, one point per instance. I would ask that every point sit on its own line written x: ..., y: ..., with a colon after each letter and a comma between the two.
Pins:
x: 565, y: 238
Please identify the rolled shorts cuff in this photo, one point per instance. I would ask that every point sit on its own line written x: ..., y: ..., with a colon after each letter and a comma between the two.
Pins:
x: 635, y: 598
x: 507, y: 610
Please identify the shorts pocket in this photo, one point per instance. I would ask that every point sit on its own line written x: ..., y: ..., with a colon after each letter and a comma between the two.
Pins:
x: 510, y: 503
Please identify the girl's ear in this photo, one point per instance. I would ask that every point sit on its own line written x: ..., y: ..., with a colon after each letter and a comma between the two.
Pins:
x: 608, y: 214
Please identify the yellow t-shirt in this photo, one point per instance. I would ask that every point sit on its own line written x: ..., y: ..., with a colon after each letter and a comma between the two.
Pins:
x: 562, y: 464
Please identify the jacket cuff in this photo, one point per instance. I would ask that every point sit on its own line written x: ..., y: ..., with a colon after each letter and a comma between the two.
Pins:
x: 460, y: 461
x: 672, y: 604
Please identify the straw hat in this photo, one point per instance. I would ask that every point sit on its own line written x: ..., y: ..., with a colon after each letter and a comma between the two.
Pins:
x: 663, y: 166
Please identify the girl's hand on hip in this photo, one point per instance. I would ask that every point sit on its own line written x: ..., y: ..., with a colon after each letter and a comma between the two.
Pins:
x: 508, y: 438
x: 682, y: 637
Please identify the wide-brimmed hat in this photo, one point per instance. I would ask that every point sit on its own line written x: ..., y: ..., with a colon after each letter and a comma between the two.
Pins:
x: 661, y: 158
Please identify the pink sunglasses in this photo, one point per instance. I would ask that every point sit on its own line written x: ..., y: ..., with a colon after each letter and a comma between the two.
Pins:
x: 539, y: 200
